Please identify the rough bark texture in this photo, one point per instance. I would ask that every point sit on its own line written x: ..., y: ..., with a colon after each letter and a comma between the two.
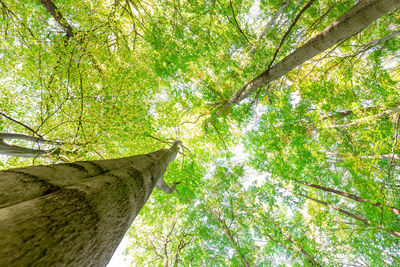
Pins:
x: 351, y: 23
x: 74, y: 214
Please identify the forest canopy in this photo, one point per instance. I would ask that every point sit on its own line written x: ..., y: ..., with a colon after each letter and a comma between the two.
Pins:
x: 289, y: 125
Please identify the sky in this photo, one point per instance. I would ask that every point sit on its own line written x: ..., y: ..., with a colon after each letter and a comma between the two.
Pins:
x: 118, y: 259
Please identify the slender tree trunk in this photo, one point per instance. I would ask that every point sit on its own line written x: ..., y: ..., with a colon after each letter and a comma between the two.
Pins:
x: 18, y: 151
x: 388, y: 112
x: 56, y: 14
x: 266, y: 30
x: 232, y: 240
x: 74, y: 214
x: 350, y: 214
x: 299, y: 248
x: 345, y: 194
x: 295, y: 246
x: 60, y: 19
x: 351, y: 23
x: 339, y: 156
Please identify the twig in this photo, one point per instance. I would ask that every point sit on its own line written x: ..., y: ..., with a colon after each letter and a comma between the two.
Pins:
x: 237, y: 24
x: 288, y: 32
x: 22, y: 124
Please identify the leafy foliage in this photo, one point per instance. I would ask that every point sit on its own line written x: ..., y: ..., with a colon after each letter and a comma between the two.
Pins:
x: 303, y: 173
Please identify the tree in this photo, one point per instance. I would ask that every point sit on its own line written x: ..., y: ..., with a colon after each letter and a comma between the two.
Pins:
x: 18, y: 151
x: 116, y: 78
x: 351, y: 23
x: 75, y: 213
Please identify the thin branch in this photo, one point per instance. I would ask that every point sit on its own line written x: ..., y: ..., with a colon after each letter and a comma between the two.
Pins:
x: 288, y: 32
x: 22, y: 124
x: 237, y: 24
x: 267, y: 28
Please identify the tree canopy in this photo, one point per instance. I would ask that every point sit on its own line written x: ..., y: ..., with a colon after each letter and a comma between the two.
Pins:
x: 301, y: 170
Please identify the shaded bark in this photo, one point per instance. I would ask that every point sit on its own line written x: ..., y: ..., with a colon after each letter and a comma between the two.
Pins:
x: 77, y: 213
x: 351, y: 23
x: 59, y: 18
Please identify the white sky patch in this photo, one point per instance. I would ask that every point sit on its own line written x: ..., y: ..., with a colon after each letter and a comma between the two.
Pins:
x: 255, y: 18
x: 295, y: 98
x: 119, y: 259
x: 252, y: 177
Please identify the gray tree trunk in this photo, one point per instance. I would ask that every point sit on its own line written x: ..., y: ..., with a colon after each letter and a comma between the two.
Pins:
x: 18, y: 151
x: 74, y: 214
x: 351, y: 23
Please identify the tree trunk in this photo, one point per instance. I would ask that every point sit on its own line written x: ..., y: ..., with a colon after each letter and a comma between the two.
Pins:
x: 56, y: 14
x: 298, y: 247
x: 383, y: 157
x: 351, y: 23
x: 18, y: 151
x: 350, y: 214
x: 348, y: 195
x: 388, y: 112
x: 232, y: 240
x: 74, y: 214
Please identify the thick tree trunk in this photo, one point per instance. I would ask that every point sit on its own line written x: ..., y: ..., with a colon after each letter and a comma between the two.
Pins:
x: 351, y: 23
x: 74, y: 214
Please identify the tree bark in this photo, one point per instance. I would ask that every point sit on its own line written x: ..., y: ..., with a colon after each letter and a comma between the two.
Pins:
x: 18, y: 151
x: 351, y: 23
x: 58, y: 17
x: 232, y: 240
x: 74, y: 214
x: 265, y: 31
